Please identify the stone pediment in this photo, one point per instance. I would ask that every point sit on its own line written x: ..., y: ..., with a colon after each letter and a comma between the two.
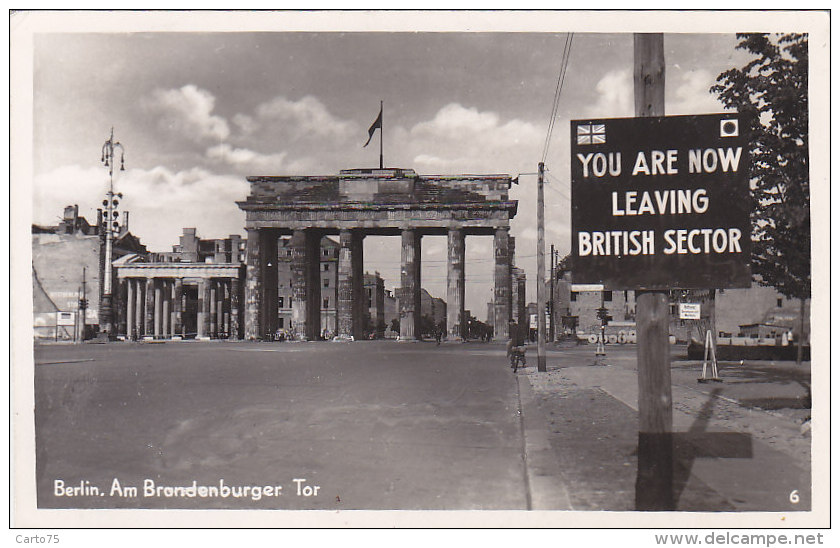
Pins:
x: 379, y: 199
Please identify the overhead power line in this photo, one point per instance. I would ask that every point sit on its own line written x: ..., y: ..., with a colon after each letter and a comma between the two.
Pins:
x: 558, y: 90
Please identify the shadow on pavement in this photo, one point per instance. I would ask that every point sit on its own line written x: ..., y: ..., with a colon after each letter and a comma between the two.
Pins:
x: 666, y: 460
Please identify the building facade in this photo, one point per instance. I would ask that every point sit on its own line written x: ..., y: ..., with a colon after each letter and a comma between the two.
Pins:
x: 68, y: 262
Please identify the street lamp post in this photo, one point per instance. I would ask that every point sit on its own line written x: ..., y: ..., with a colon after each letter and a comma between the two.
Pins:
x: 110, y: 224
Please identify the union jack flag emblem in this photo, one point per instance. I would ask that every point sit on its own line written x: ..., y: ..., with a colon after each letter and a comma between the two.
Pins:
x: 591, y: 134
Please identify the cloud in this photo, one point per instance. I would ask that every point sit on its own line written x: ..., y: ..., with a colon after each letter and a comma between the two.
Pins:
x: 464, y: 139
x: 692, y: 95
x: 246, y: 158
x: 161, y: 201
x: 614, y: 95
x: 307, y: 116
x: 188, y: 111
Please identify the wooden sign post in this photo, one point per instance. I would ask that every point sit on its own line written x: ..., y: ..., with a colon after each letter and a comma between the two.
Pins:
x: 659, y: 203
x: 655, y: 468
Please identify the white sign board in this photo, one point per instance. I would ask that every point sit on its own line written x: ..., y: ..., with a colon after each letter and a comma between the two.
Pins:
x: 587, y: 287
x: 689, y: 311
x: 533, y: 323
x: 65, y: 318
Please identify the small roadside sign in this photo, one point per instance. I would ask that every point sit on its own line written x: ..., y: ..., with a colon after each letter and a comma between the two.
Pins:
x: 65, y: 318
x: 689, y: 311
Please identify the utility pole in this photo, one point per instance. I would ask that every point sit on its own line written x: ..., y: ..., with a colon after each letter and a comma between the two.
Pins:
x: 83, y: 305
x: 381, y: 135
x: 551, y: 328
x: 655, y: 469
x: 111, y: 225
x: 540, y: 268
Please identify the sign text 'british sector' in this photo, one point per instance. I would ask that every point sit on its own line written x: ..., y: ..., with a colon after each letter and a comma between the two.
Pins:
x: 661, y: 202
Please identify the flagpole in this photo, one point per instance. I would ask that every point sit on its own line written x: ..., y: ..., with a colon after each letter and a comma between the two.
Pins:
x: 381, y: 136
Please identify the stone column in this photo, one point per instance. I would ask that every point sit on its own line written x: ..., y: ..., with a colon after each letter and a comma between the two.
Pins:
x: 158, y: 307
x: 139, y: 317
x: 234, y: 309
x: 213, y: 317
x: 120, y: 306
x: 220, y: 308
x: 149, y: 328
x: 409, y: 293
x: 358, y: 282
x: 202, y: 319
x: 177, y: 311
x: 501, y: 292
x: 167, y: 309
x: 226, y: 308
x: 129, y: 316
x: 268, y: 252
x: 313, y: 284
x: 298, y: 266
x: 344, y: 306
x: 511, y: 264
x: 456, y: 327
x: 253, y: 285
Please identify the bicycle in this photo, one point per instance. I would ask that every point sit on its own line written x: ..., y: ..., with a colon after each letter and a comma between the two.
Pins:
x: 517, y: 356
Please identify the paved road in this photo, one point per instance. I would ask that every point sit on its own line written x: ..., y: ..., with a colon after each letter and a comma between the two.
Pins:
x: 376, y: 425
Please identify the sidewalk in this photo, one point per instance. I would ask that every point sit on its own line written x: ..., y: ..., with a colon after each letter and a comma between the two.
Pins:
x: 728, y: 457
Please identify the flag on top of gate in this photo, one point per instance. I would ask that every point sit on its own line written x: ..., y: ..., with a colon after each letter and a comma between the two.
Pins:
x: 376, y: 124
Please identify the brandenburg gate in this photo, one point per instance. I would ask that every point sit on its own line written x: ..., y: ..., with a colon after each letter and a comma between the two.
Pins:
x: 358, y: 203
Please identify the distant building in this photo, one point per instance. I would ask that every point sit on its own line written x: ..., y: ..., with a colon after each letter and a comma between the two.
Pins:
x: 584, y: 305
x: 433, y: 308
x: 328, y: 279
x: 68, y: 262
x: 754, y: 312
x: 192, y: 249
x: 375, y: 295
x: 392, y: 312
x: 757, y: 311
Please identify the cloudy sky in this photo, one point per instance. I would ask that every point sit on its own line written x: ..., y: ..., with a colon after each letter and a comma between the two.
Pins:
x: 199, y: 111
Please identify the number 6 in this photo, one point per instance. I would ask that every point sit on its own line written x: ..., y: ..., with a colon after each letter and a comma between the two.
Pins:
x: 794, y: 496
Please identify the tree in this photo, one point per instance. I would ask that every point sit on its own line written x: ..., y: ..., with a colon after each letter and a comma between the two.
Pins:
x: 772, y: 89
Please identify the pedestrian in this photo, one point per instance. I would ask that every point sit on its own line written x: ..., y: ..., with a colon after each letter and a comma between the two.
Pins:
x: 515, y: 346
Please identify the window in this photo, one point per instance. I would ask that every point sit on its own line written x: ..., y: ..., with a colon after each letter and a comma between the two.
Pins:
x: 280, y: 322
x: 326, y: 253
x: 573, y: 296
x: 326, y: 282
x: 326, y: 267
x: 607, y: 296
x: 779, y: 302
x: 327, y: 302
x: 280, y: 302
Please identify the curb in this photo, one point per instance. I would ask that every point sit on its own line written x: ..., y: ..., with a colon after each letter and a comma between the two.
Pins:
x: 546, y: 484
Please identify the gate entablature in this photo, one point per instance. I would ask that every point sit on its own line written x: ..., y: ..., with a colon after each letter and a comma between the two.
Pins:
x: 381, y: 201
x: 359, y: 202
